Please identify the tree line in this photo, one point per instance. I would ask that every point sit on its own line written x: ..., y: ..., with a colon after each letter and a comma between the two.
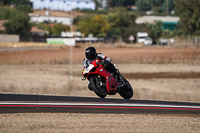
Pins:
x: 120, y: 22
x: 116, y: 22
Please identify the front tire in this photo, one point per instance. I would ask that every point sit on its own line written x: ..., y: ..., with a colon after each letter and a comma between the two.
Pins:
x: 126, y: 91
x: 97, y: 88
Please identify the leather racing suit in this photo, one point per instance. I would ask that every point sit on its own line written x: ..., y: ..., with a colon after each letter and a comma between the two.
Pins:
x: 109, y: 66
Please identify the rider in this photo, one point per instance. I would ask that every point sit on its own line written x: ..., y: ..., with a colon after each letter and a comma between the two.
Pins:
x: 91, y: 55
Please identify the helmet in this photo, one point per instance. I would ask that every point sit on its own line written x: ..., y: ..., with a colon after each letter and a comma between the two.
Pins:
x: 90, y: 53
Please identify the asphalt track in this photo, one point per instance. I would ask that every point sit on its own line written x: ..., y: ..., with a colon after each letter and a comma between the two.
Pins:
x: 22, y: 103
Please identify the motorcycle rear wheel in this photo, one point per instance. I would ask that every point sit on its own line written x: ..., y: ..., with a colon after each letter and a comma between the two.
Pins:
x: 126, y: 91
x: 99, y: 90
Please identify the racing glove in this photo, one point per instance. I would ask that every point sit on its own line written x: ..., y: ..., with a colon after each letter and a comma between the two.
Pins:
x: 105, y: 63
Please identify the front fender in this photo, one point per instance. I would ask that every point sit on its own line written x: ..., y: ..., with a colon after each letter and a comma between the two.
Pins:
x: 92, y: 75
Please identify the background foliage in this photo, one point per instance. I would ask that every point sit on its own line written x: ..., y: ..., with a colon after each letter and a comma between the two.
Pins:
x: 18, y: 22
x: 189, y: 13
x: 116, y: 22
x: 93, y: 24
x: 53, y: 28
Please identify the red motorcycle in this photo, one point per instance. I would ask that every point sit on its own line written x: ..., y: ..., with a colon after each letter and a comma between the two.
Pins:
x: 103, y: 82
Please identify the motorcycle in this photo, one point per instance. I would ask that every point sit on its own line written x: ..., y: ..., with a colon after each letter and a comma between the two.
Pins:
x: 103, y: 82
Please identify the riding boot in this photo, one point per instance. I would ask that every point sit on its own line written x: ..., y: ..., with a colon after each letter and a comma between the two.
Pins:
x: 118, y: 74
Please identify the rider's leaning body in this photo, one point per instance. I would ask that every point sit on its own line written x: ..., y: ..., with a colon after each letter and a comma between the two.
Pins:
x: 91, y: 55
x: 100, y: 56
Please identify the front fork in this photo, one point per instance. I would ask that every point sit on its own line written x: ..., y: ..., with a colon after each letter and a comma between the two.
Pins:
x: 99, y: 82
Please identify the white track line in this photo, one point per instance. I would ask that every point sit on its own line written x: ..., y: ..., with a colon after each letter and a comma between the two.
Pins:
x: 99, y: 104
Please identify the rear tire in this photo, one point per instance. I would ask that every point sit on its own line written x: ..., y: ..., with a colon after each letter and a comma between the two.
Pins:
x: 95, y: 85
x: 126, y: 91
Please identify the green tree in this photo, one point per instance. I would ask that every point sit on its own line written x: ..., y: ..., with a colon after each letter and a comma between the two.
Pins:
x: 58, y: 28
x: 155, y: 30
x: 43, y: 26
x: 167, y: 34
x: 114, y: 32
x: 20, y: 2
x: 97, y: 4
x: 5, y: 2
x: 144, y: 5
x: 189, y: 12
x: 5, y: 13
x: 53, y: 29
x: 178, y: 32
x: 21, y: 5
x: 158, y: 2
x: 116, y: 3
x: 129, y: 2
x: 24, y: 8
x: 120, y: 20
x: 93, y: 24
x: 18, y: 23
x: 15, y: 2
x: 168, y: 6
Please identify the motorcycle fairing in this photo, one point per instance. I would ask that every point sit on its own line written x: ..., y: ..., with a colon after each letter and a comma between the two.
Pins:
x: 111, y: 83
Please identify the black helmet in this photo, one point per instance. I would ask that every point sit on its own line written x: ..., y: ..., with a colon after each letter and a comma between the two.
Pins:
x: 90, y: 53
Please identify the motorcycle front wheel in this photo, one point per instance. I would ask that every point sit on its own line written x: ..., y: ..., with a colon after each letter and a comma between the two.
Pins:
x: 96, y: 86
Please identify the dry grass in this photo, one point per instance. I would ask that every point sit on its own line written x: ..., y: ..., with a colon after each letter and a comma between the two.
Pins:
x: 22, y: 44
x: 143, y: 55
x: 54, y: 80
x: 155, y: 73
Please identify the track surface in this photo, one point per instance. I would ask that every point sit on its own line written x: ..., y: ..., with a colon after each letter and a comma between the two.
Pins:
x: 20, y: 103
